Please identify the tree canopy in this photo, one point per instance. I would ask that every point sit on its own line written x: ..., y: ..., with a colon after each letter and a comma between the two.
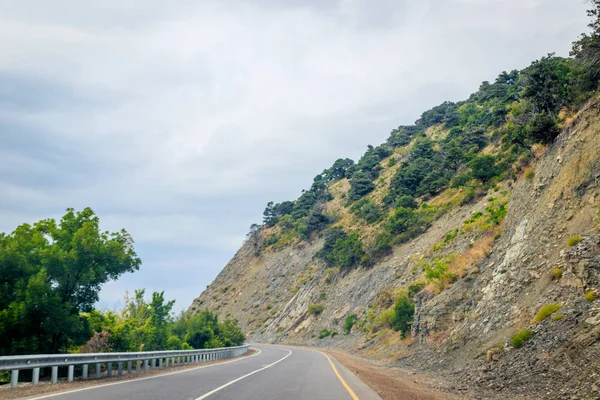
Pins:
x: 51, y: 272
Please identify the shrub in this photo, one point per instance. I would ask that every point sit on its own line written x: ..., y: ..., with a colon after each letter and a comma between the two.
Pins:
x: 407, y: 201
x: 367, y: 210
x: 324, y: 333
x: 315, y: 309
x: 590, y: 296
x: 557, y: 273
x: 384, y: 319
x: 573, y: 240
x: 484, y: 167
x: 546, y: 311
x: 461, y: 179
x: 415, y: 288
x: 557, y: 317
x: 349, y: 323
x: 402, y: 318
x: 529, y: 174
x: 520, y: 337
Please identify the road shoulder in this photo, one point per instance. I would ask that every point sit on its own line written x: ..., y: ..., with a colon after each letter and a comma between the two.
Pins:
x: 392, y: 384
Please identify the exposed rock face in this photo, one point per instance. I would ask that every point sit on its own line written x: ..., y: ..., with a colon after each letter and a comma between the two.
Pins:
x: 464, y: 331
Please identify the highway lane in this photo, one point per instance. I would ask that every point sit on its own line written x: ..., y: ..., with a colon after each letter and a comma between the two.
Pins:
x: 274, y: 373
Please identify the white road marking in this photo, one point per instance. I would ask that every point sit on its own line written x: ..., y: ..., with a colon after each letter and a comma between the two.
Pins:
x: 204, y: 396
x: 143, y: 379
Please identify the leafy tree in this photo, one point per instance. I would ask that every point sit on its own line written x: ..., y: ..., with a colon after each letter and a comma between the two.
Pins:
x: 407, y: 201
x: 341, y: 250
x: 361, y: 184
x: 546, y: 84
x: 484, y: 167
x: 586, y: 52
x: 367, y: 210
x: 339, y: 169
x: 52, y: 272
x: 542, y: 128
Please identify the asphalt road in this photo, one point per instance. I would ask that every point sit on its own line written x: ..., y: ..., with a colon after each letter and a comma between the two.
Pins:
x: 273, y: 373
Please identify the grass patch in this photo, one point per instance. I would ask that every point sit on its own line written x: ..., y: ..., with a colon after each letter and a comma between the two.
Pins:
x: 557, y: 317
x: 590, y: 296
x: 315, y: 309
x: 557, y: 273
x: 521, y: 337
x: 573, y: 240
x: 546, y: 311
x: 529, y: 174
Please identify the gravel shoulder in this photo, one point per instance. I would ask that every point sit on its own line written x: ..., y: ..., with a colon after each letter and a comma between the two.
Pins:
x: 393, y: 383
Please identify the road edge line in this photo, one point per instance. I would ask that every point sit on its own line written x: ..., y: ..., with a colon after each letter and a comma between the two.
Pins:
x: 350, y: 391
x: 60, y: 393
x: 204, y: 396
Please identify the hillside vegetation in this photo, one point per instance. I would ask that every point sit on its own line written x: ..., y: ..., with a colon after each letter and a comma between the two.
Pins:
x: 466, y: 245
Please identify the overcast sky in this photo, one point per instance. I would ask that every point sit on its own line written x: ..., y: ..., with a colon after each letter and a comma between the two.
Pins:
x: 179, y: 120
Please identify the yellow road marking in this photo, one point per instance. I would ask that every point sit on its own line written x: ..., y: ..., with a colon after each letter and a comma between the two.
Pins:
x: 354, y: 396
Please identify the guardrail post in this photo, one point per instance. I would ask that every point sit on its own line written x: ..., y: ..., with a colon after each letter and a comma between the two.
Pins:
x: 128, y: 367
x: 70, y: 372
x: 146, y: 365
x: 120, y: 368
x: 160, y: 363
x: 138, y: 367
x: 84, y: 374
x: 153, y: 363
x: 172, y: 361
x: 35, y: 379
x: 14, y: 378
x: 98, y: 370
x: 109, y: 369
x: 54, y: 377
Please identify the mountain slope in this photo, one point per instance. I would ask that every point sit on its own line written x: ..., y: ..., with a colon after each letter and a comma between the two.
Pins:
x: 466, y: 245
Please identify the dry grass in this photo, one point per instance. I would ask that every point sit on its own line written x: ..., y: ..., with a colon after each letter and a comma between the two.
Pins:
x: 539, y: 149
x: 472, y: 255
x: 529, y: 173
x: 567, y: 117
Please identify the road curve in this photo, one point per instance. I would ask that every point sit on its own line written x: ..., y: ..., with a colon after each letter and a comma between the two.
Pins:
x: 273, y: 373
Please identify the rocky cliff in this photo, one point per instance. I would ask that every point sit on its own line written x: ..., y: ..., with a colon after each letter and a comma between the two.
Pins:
x: 528, y: 247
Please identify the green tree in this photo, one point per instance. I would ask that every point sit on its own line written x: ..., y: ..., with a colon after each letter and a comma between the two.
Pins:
x: 484, y: 167
x: 586, y: 52
x: 50, y: 273
x: 361, y: 184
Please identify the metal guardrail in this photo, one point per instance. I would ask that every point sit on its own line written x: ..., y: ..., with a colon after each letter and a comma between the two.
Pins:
x: 154, y: 358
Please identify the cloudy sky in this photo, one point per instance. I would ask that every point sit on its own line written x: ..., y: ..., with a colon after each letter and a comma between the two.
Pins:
x: 179, y: 120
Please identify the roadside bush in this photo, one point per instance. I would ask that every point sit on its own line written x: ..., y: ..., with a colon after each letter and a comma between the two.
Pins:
x: 573, y: 240
x: 521, y: 337
x: 402, y: 318
x: 546, y: 311
x: 349, y: 323
x: 315, y: 309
